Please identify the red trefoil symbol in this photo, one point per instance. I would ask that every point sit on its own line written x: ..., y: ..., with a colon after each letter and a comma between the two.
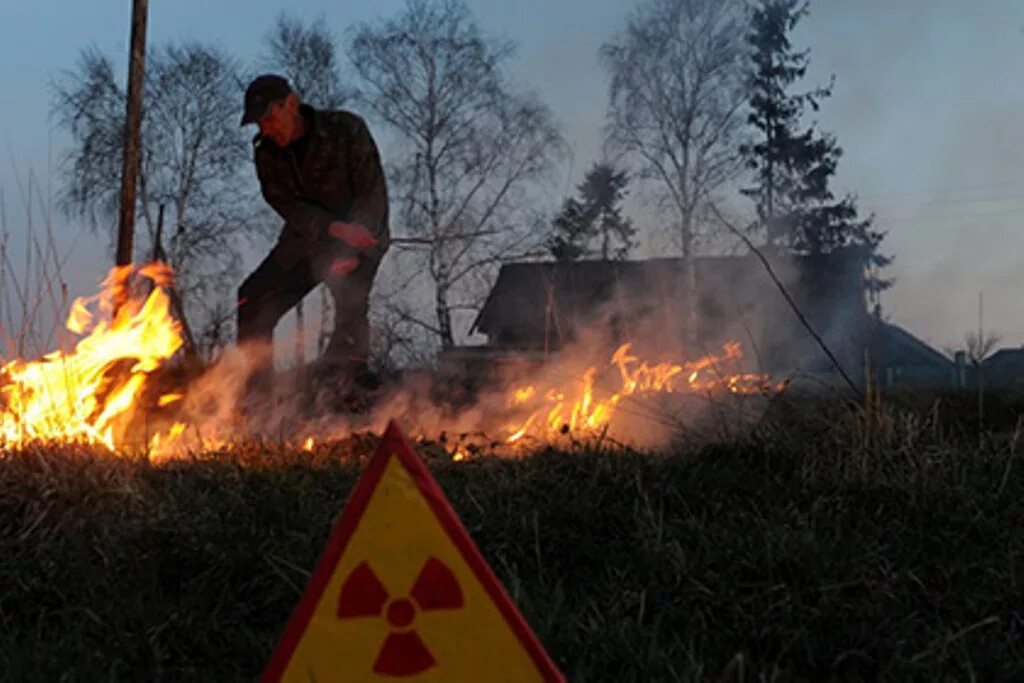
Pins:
x: 403, y: 653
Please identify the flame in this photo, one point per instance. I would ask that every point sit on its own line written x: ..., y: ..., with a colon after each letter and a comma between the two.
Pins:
x: 521, y: 396
x: 159, y: 272
x: 89, y: 394
x: 585, y: 413
x: 79, y: 318
x: 168, y: 399
x: 86, y: 395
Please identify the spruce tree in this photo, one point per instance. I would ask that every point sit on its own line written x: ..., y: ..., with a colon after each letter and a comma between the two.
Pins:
x: 793, y: 165
x: 570, y: 232
x: 596, y: 215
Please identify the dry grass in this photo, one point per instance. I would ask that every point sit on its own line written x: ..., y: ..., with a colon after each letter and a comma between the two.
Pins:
x: 832, y: 544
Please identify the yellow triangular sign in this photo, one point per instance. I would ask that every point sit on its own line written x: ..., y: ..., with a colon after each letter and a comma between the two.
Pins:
x: 401, y: 592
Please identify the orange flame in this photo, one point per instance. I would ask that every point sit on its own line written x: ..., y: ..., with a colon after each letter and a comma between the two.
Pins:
x: 88, y: 394
x: 168, y: 399
x: 584, y: 413
x: 85, y: 395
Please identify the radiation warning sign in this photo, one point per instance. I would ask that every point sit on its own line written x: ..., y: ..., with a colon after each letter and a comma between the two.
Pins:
x: 401, y: 593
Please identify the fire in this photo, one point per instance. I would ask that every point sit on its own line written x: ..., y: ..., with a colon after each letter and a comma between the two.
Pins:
x: 580, y: 410
x: 87, y: 395
x: 91, y: 393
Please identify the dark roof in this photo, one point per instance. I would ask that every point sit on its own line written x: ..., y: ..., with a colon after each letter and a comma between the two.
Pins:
x: 1006, y: 358
x: 524, y: 292
x: 903, y: 348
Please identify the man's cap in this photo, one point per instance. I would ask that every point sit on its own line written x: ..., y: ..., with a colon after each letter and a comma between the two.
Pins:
x: 263, y: 91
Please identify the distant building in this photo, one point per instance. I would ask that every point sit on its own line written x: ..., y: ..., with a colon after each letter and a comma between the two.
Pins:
x: 535, y: 309
x: 1004, y: 369
x: 541, y: 307
x: 903, y: 359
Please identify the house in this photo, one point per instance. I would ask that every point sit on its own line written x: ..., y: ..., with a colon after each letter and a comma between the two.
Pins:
x: 1004, y: 369
x: 541, y: 307
x: 900, y: 358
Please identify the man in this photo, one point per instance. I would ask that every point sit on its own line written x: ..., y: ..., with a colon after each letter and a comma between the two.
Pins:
x: 321, y: 171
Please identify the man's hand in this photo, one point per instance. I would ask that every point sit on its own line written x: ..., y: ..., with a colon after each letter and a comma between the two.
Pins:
x: 343, y: 266
x: 352, y: 234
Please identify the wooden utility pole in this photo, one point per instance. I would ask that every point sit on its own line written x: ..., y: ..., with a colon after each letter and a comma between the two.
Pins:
x: 132, y: 133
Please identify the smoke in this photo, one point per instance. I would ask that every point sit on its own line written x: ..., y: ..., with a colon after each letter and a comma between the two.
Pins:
x: 620, y: 372
x: 577, y: 395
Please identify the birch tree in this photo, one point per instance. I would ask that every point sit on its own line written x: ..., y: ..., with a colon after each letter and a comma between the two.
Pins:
x: 468, y: 147
x: 674, y: 111
x: 194, y: 163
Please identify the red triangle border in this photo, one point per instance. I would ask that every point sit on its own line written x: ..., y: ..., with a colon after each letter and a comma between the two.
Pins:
x: 394, y: 443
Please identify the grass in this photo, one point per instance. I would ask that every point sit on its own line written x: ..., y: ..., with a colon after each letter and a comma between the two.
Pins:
x: 850, y: 545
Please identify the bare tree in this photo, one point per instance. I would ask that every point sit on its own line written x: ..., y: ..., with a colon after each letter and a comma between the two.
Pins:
x: 194, y: 158
x: 400, y: 336
x: 468, y: 149
x: 980, y: 346
x: 307, y: 56
x: 675, y: 97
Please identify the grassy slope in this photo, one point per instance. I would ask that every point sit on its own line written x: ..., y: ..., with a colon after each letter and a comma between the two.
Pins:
x: 858, y: 552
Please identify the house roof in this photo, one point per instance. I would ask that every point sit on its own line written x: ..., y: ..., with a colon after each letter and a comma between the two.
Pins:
x: 897, y: 342
x: 524, y: 291
x: 1006, y: 357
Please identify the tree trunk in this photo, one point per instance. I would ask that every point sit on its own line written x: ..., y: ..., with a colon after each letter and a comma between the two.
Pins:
x: 325, y: 320
x: 300, y: 335
x: 444, y: 315
x: 691, y: 321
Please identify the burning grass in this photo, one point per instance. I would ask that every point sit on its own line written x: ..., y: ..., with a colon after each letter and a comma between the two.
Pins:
x: 85, y: 395
x: 841, y: 544
x: 107, y: 391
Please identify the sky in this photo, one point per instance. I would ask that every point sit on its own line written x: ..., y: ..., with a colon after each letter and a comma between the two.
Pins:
x: 928, y: 106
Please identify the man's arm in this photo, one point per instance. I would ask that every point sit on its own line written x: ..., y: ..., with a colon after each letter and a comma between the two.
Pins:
x: 369, y: 191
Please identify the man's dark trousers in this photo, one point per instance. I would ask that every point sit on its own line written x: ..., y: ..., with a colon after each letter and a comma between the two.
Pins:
x: 272, y: 290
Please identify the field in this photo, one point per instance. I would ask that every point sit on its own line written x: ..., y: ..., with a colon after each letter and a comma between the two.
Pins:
x: 834, y: 543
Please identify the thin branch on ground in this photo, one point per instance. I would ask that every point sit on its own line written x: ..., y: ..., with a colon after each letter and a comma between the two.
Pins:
x: 792, y: 304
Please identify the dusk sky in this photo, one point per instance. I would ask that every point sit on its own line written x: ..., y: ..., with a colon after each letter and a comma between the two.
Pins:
x: 928, y: 106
